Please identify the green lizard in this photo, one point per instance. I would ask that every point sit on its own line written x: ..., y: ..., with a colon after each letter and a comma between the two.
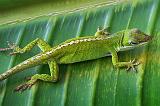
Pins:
x: 77, y: 50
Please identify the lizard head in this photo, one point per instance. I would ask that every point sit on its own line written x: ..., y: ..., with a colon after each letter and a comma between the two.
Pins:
x: 135, y: 37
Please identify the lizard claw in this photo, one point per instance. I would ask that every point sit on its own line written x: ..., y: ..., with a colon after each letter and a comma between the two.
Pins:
x: 28, y: 78
x: 22, y: 87
x: 25, y: 86
x: 14, y: 47
x: 11, y: 47
x: 132, y: 65
x: 13, y: 53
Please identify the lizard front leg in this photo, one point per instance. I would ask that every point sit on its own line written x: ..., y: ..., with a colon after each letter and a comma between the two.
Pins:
x: 116, y: 63
x: 53, y: 77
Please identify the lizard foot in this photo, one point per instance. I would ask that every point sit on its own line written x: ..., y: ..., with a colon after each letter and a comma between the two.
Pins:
x: 104, y: 30
x: 14, y: 47
x: 13, y: 53
x: 132, y: 65
x: 25, y: 86
x: 11, y: 46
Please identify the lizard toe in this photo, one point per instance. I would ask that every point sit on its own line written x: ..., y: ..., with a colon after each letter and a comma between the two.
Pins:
x: 28, y: 78
x: 132, y: 64
x: 25, y: 86
x: 13, y: 53
x: 21, y: 88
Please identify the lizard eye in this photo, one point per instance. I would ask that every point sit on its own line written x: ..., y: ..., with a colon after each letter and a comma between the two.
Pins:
x: 133, y: 43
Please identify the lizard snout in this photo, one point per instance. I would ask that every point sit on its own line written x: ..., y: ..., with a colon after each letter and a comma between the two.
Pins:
x: 148, y: 38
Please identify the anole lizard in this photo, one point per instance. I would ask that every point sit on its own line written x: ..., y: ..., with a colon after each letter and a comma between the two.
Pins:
x: 77, y: 50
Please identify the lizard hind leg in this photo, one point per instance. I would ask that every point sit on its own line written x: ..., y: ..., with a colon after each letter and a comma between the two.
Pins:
x: 102, y: 32
x: 39, y: 42
x: 53, y: 77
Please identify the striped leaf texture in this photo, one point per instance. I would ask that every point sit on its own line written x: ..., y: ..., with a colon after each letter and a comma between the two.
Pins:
x: 89, y: 83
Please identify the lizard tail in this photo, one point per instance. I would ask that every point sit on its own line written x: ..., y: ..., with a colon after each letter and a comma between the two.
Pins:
x: 31, y: 62
x: 20, y: 67
x: 11, y: 72
x: 5, y: 75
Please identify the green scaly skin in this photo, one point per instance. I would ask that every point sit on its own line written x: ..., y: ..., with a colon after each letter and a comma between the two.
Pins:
x: 77, y: 50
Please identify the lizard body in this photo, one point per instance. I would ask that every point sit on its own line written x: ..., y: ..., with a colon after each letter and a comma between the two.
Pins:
x: 77, y: 50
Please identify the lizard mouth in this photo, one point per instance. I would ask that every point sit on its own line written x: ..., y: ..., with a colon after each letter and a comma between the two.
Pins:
x: 135, y: 45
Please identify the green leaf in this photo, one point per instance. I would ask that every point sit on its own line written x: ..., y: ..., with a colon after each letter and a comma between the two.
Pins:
x: 94, y: 82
